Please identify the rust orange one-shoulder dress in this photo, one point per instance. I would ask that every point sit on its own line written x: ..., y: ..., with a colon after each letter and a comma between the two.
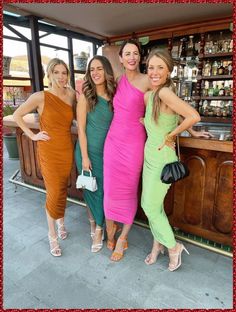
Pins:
x: 56, y: 154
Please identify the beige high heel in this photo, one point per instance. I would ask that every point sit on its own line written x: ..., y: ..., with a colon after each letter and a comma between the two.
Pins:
x: 98, y: 247
x: 56, y: 250
x: 179, y: 254
x: 61, y: 231
x: 149, y: 256
x: 92, y: 222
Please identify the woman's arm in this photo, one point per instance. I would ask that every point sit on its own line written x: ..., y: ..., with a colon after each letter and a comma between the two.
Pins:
x: 180, y: 107
x: 81, y: 121
x: 198, y: 134
x: 35, y: 101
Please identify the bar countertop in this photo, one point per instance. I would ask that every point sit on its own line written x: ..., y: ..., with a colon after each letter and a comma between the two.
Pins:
x: 208, y: 144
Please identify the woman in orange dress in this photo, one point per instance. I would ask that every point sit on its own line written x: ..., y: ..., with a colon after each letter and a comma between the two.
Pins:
x: 55, y: 148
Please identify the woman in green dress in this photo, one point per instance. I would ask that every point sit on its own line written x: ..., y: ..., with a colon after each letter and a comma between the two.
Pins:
x: 94, y: 115
x: 163, y: 108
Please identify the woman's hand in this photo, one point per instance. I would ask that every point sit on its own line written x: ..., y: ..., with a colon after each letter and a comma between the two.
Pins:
x: 40, y: 136
x: 86, y: 164
x: 169, y: 141
x: 141, y: 120
x: 201, y: 134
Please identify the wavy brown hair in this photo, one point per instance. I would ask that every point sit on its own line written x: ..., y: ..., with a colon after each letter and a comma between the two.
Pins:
x: 165, y: 56
x: 89, y: 87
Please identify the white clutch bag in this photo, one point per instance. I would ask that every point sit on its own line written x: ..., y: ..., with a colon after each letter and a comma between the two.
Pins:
x: 86, y: 182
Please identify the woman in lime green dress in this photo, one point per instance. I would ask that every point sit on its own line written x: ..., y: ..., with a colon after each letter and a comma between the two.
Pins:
x: 94, y: 115
x: 163, y: 107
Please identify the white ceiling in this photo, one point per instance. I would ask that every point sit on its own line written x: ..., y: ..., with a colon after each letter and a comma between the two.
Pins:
x: 107, y: 20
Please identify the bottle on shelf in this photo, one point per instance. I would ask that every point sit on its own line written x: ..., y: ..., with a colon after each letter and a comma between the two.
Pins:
x: 210, y: 89
x: 214, y: 68
x: 205, y: 89
x: 216, y: 89
x: 230, y: 68
x: 183, y: 52
x: 208, y: 45
x: 194, y: 72
x: 220, y: 69
x: 222, y: 89
x: 220, y: 43
x: 180, y: 71
x: 207, y: 69
x: 190, y: 49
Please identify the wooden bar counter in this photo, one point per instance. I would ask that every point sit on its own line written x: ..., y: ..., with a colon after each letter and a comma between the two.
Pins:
x: 200, y: 204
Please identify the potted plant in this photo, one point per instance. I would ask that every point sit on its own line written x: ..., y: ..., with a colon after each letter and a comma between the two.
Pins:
x: 81, y: 61
x: 9, y: 133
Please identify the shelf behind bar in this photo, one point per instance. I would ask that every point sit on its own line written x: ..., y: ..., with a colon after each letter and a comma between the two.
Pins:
x: 216, y: 77
x: 227, y: 120
x: 212, y: 98
x: 226, y: 54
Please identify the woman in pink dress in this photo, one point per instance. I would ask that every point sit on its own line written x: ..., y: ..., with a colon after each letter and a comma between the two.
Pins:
x: 124, y: 149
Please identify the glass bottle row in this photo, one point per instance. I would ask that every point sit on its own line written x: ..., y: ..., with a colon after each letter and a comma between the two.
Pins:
x: 223, y: 67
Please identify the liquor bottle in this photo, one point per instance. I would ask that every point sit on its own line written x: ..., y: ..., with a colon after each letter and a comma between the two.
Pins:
x: 230, y: 67
x: 220, y: 70
x: 190, y: 50
x: 214, y: 68
x: 186, y: 69
x: 226, y: 70
x: 222, y: 90
x: 207, y: 69
x: 200, y: 108
x: 231, y: 45
x: 216, y: 89
x: 205, y: 89
x: 183, y: 53
x: 180, y: 71
x: 227, y: 89
x: 230, y: 90
x: 211, y: 89
x: 208, y: 45
x: 194, y: 72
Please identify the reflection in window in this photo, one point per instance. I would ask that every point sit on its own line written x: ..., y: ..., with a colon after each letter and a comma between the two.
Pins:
x: 16, y: 52
x: 82, y: 47
x: 57, y: 40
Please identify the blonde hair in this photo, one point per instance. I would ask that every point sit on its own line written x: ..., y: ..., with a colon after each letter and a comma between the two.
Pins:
x: 50, y: 67
x: 166, y: 57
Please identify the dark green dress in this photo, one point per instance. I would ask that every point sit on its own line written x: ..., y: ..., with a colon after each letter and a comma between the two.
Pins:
x: 97, y: 125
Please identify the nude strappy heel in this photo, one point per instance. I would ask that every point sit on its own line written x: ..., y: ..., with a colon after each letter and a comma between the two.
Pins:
x: 179, y: 254
x: 149, y: 256
x: 97, y: 247
x: 61, y: 231
x: 56, y: 250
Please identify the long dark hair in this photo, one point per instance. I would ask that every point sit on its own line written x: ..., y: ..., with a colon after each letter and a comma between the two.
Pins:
x: 166, y: 57
x: 89, y: 87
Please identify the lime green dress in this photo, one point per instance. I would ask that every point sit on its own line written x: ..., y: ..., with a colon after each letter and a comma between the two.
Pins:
x: 154, y: 191
x: 97, y: 125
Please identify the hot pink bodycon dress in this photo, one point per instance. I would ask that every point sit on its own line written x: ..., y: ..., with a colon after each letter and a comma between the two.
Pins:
x: 123, y: 154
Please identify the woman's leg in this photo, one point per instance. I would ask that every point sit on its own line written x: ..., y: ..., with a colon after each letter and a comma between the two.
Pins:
x: 92, y: 222
x: 52, y: 236
x: 121, y: 244
x: 157, y: 248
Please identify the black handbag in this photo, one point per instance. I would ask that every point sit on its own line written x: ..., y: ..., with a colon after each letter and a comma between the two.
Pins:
x: 174, y: 171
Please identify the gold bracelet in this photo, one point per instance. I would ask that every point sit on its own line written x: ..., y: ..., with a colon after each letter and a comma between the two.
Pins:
x: 170, y: 138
